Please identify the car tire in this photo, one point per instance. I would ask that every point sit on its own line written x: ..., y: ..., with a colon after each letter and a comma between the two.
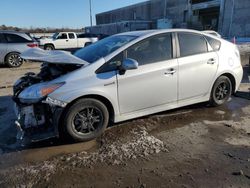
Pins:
x: 49, y: 47
x: 13, y: 60
x: 221, y: 92
x: 86, y: 119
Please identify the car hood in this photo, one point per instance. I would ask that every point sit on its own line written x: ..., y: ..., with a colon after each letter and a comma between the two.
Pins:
x: 54, y: 56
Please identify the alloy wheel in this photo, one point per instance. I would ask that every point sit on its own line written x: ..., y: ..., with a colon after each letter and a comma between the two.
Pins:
x: 222, y: 91
x: 88, y: 120
x: 15, y: 60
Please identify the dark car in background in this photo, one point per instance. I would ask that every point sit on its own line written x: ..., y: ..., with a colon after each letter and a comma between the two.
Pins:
x: 12, y: 44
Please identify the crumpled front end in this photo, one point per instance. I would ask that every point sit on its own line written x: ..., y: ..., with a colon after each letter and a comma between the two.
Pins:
x: 37, y: 118
x: 36, y: 121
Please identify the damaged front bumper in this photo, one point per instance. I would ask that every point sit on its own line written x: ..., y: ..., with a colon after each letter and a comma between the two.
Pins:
x: 38, y: 121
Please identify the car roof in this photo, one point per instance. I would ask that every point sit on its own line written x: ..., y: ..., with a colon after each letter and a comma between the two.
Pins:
x: 11, y: 32
x: 158, y: 31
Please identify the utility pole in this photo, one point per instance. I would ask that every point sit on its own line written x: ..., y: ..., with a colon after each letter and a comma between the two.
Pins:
x: 90, y: 12
x: 165, y: 9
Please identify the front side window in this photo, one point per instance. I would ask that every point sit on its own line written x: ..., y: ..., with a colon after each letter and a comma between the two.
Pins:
x: 151, y: 50
x: 13, y: 38
x: 63, y: 36
x: 192, y: 44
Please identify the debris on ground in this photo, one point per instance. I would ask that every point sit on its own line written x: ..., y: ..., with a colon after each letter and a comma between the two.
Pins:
x: 139, y: 145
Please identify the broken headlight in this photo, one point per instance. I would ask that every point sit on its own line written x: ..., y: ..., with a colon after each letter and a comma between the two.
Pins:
x: 36, y: 92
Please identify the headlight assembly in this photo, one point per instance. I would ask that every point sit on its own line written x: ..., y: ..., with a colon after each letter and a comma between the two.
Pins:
x: 38, y: 91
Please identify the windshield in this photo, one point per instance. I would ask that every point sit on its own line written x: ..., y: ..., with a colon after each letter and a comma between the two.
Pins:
x: 55, y: 35
x: 103, y: 47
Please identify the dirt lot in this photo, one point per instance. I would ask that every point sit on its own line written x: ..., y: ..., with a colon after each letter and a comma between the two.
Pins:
x: 196, y: 146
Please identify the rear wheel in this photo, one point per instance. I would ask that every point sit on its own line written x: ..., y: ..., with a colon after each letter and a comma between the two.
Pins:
x: 86, y: 119
x: 13, y: 60
x: 49, y: 47
x: 221, y: 91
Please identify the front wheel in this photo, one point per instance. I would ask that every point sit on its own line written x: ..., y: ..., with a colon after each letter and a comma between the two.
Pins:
x: 86, y: 119
x: 221, y: 91
x: 14, y: 60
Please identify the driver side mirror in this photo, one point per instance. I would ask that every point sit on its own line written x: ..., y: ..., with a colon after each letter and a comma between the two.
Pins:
x: 128, y: 64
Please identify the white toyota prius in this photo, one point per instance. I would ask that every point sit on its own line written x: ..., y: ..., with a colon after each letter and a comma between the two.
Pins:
x: 122, y: 77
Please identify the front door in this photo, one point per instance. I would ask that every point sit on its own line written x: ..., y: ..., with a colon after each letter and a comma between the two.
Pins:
x: 62, y: 41
x: 154, y: 83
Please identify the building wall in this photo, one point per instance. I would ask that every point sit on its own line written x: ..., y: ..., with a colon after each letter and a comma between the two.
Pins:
x: 236, y: 18
x: 139, y: 11
x: 147, y: 11
x: 233, y: 19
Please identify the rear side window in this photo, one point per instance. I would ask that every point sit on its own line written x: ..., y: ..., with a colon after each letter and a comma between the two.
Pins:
x: 151, y: 50
x: 2, y: 39
x: 214, y: 43
x: 71, y: 35
x: 192, y: 44
x: 13, y: 38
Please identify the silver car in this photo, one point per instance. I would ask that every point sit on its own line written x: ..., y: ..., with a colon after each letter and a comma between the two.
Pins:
x: 122, y: 77
x: 12, y: 44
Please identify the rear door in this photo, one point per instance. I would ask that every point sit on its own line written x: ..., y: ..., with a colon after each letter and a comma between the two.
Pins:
x: 197, y: 66
x: 3, y: 47
x: 154, y: 83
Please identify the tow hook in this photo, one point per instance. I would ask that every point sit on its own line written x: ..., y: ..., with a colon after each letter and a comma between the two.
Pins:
x: 20, y: 132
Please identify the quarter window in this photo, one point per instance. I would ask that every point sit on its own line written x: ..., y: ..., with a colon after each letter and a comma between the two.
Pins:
x: 71, y: 35
x: 112, y: 64
x: 214, y: 43
x: 154, y: 49
x: 192, y: 44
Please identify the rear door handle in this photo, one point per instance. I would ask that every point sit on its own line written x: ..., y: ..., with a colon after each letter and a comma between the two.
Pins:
x: 211, y: 61
x: 170, y: 71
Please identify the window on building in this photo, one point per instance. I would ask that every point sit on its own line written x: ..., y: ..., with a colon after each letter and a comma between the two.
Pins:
x: 192, y: 44
x: 154, y: 49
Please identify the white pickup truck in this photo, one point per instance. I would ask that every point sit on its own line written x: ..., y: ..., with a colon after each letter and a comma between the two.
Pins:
x: 67, y: 40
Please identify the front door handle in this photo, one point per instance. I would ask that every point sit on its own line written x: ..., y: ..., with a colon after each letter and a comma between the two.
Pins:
x: 211, y: 61
x: 170, y: 71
